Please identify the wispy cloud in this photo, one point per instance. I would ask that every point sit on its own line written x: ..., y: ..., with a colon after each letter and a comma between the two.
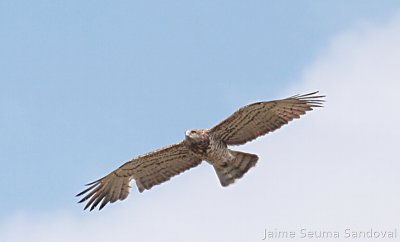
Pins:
x: 336, y: 168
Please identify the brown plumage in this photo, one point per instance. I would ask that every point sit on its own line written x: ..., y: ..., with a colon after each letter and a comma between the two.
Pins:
x: 211, y: 145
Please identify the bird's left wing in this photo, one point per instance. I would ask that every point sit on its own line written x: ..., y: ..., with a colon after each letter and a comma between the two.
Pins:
x: 260, y: 118
x: 147, y: 170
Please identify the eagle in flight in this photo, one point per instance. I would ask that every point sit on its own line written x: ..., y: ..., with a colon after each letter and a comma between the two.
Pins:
x: 211, y: 145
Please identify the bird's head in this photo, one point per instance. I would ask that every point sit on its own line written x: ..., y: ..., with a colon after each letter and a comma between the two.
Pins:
x: 193, y: 135
x: 197, y: 138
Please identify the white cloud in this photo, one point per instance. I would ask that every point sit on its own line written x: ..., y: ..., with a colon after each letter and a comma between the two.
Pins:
x: 336, y: 168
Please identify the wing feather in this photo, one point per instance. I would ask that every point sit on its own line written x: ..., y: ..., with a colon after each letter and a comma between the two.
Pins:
x: 260, y: 118
x: 147, y: 170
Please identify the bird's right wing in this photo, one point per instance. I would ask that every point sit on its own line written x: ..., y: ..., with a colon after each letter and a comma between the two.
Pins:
x: 147, y: 170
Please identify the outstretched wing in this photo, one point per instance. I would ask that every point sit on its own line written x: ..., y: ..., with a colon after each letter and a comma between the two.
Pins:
x: 148, y: 170
x: 260, y: 118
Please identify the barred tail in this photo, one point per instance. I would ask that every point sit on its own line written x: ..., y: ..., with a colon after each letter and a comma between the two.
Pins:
x: 236, y: 168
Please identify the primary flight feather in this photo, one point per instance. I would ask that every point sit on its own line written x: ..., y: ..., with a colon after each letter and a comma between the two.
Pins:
x: 211, y: 145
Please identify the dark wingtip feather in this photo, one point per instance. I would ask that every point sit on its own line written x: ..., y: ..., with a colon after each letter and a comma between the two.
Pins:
x: 308, y: 95
x: 311, y: 98
x: 86, y: 190
x: 92, y: 182
x: 103, y: 204
x: 87, y: 205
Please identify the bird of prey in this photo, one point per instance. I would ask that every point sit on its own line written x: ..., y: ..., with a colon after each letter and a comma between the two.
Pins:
x: 211, y: 145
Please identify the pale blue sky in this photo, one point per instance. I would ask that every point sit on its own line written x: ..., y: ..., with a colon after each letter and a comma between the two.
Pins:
x: 87, y: 85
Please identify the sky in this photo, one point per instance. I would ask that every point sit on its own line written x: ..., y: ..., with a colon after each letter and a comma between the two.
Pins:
x: 86, y: 86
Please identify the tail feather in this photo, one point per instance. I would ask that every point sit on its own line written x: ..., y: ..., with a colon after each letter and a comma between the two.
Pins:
x: 236, y: 168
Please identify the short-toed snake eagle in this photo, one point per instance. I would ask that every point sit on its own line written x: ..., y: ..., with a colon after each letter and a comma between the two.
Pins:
x: 211, y: 145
